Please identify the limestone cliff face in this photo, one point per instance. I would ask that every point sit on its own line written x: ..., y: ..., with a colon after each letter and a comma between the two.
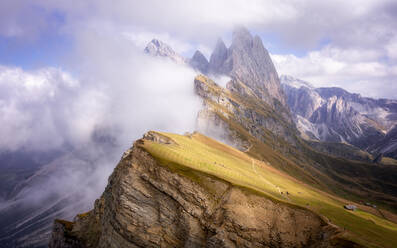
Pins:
x: 147, y: 205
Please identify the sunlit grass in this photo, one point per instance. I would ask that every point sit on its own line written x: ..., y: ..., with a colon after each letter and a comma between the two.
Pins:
x: 199, y: 153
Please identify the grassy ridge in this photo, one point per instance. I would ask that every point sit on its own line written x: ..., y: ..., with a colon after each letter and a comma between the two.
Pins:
x: 359, y: 181
x: 199, y: 153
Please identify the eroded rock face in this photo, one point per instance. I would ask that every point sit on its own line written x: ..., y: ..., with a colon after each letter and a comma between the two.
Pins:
x: 335, y: 115
x: 248, y: 61
x: 147, y: 205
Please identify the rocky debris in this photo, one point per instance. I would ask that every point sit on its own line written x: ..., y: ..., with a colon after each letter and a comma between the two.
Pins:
x: 159, y: 48
x: 199, y: 62
x: 147, y: 205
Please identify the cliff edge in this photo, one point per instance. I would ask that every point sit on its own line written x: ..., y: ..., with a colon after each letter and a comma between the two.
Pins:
x: 149, y: 202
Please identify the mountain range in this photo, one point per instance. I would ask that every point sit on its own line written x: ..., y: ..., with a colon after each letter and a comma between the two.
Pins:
x: 329, y: 115
x: 290, y: 157
x: 335, y: 115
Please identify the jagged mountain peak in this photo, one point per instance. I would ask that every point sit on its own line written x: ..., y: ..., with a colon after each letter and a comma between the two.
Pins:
x: 198, y: 54
x: 242, y: 38
x: 158, y: 48
x: 199, y: 62
x: 155, y: 46
x: 251, y: 64
x: 248, y: 61
x: 220, y: 45
x: 335, y: 115
x: 218, y: 58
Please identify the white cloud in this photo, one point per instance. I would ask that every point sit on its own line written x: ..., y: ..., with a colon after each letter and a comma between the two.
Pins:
x: 119, y: 94
x: 391, y: 48
x: 118, y: 87
x: 355, y: 70
x: 36, y: 107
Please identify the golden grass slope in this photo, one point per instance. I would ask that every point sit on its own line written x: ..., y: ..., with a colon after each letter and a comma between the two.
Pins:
x: 196, y: 152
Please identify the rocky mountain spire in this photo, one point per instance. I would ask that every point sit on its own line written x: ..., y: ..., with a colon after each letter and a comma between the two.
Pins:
x: 218, y: 58
x: 199, y: 62
x: 241, y: 39
x: 161, y: 49
x: 248, y: 61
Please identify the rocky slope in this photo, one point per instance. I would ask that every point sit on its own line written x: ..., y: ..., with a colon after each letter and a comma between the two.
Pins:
x: 253, y: 97
x: 386, y: 146
x: 239, y: 104
x: 146, y: 204
x: 335, y: 115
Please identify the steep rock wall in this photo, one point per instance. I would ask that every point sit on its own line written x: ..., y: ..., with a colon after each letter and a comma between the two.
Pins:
x: 147, y: 205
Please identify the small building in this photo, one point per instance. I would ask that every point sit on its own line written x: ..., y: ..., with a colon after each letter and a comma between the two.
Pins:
x: 370, y: 205
x: 350, y: 207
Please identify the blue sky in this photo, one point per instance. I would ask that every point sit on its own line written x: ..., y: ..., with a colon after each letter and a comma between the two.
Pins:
x: 50, y: 49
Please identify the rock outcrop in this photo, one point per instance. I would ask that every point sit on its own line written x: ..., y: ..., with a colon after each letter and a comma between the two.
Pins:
x: 147, y: 205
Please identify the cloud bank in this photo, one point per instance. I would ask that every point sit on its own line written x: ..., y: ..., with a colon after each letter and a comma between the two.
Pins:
x: 92, y: 117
